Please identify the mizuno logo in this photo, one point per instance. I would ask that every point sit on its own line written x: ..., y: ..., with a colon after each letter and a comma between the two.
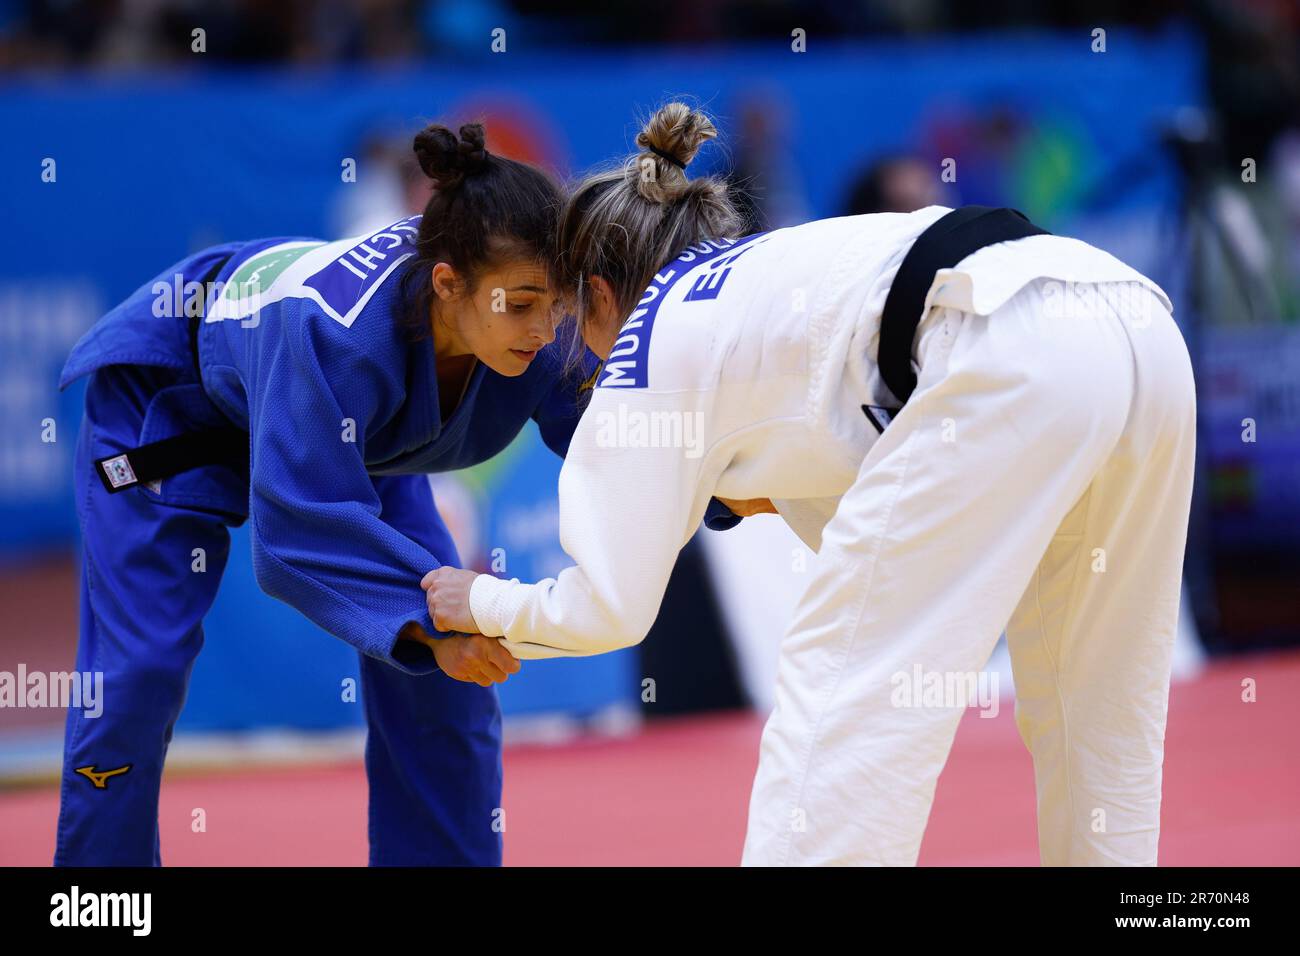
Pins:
x: 100, y: 777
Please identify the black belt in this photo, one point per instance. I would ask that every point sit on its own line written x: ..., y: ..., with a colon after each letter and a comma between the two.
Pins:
x: 945, y: 243
x: 171, y: 456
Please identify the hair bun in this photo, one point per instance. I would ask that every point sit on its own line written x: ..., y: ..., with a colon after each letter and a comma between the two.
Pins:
x: 670, y: 139
x: 473, y: 153
x: 448, y: 159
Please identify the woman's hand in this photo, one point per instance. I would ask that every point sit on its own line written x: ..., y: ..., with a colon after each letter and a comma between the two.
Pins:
x: 472, y: 658
x: 447, y: 591
x: 750, y: 506
x: 466, y: 656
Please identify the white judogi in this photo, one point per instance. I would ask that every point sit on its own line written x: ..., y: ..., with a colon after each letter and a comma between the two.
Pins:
x: 1039, y: 479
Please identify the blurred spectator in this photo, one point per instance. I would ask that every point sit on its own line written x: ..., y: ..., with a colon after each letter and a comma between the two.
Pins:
x: 389, y: 186
x: 1253, y: 74
x: 895, y: 184
x: 132, y: 34
x: 141, y: 33
x: 766, y: 183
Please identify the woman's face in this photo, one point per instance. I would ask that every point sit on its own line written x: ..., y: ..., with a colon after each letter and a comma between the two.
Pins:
x: 503, y: 323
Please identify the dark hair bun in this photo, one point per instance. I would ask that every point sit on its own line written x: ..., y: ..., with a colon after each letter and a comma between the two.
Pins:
x: 448, y: 159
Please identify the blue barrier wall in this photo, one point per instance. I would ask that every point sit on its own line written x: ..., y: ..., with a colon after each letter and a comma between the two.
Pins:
x: 148, y: 169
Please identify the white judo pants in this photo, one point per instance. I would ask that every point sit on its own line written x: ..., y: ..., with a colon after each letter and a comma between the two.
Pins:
x: 1039, y: 479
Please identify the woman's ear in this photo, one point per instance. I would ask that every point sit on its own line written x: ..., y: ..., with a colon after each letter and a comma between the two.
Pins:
x: 601, y: 323
x: 446, y: 283
x: 602, y: 299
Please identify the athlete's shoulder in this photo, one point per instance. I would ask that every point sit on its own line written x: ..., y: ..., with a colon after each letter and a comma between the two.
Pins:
x: 338, y: 278
x: 661, y: 344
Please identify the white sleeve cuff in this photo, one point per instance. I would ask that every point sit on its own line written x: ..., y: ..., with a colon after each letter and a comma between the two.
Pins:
x: 488, y: 605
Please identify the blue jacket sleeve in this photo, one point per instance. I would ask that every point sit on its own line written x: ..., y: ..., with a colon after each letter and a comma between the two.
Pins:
x: 319, y: 543
x: 718, y: 517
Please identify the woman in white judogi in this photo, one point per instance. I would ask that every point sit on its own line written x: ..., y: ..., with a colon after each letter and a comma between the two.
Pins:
x: 1037, y: 479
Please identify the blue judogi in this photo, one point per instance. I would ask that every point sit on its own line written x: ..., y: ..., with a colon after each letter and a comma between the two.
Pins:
x: 343, y: 416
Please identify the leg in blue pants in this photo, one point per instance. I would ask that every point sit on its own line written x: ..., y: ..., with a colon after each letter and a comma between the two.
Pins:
x: 433, y: 752
x: 433, y: 755
x: 142, y: 607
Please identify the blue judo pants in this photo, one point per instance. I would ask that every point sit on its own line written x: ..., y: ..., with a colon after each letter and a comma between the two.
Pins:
x: 433, y: 749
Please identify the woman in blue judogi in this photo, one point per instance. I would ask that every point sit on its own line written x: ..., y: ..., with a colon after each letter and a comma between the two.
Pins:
x: 308, y: 387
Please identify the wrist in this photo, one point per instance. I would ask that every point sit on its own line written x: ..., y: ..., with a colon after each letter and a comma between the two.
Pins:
x: 486, y: 604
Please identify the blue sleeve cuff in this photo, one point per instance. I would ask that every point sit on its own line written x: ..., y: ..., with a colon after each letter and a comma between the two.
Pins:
x: 718, y: 517
x: 409, y: 655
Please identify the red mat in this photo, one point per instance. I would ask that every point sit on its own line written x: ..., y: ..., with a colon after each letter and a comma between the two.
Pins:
x: 677, y: 794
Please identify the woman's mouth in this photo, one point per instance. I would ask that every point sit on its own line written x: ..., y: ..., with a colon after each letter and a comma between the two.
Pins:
x: 526, y: 355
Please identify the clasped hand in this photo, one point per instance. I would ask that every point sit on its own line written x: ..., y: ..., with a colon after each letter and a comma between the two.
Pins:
x: 465, y: 655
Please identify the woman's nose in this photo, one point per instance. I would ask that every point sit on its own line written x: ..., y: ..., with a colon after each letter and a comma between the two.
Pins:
x: 544, y: 328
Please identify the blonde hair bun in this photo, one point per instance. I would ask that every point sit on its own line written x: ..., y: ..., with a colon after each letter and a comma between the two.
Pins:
x: 669, y: 140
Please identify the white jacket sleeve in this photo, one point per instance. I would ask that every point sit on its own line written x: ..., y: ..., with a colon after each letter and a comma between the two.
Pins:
x: 629, y: 497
